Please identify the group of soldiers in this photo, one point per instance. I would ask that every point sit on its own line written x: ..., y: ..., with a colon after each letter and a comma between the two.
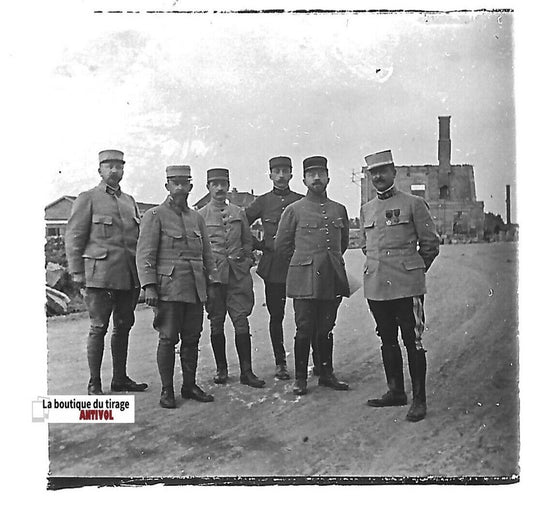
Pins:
x: 186, y: 260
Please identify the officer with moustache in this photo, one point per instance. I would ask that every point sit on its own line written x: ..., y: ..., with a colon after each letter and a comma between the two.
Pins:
x: 177, y: 271
x: 268, y: 208
x: 100, y: 244
x: 400, y: 244
x: 312, y: 238
x: 231, y: 241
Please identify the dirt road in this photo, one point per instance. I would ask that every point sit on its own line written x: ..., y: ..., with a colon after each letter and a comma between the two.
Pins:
x: 472, y: 422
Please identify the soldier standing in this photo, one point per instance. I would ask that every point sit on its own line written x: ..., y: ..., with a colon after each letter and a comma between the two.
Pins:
x: 231, y: 241
x: 312, y: 238
x: 400, y: 243
x: 177, y: 270
x: 100, y: 244
x: 269, y: 207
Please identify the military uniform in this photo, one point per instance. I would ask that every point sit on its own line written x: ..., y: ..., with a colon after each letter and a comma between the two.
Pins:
x: 100, y: 242
x: 400, y: 243
x: 269, y: 207
x: 175, y: 255
x: 312, y: 238
x: 231, y: 241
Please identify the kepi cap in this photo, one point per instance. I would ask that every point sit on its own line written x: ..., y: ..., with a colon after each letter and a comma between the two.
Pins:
x: 111, y: 155
x: 182, y: 171
x: 280, y: 161
x: 315, y: 162
x: 217, y: 174
x: 378, y: 159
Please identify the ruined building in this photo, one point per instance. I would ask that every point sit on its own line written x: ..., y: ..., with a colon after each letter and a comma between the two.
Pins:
x: 449, y: 189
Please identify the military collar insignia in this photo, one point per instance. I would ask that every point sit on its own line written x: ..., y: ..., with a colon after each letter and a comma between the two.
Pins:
x: 391, y: 191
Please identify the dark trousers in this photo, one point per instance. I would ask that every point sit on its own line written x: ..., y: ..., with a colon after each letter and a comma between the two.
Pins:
x: 101, y: 304
x: 405, y: 313
x: 315, y: 320
x: 175, y: 321
x: 276, y: 298
x: 408, y: 315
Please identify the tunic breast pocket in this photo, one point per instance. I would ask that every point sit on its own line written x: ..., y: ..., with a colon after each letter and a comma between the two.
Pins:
x: 270, y: 225
x: 308, y: 227
x: 369, y: 224
x: 398, y: 227
x: 338, y: 225
x: 172, y: 239
x: 102, y: 225
x: 194, y: 239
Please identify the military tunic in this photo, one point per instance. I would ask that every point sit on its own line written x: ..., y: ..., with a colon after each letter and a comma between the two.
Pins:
x: 312, y: 238
x: 101, y: 238
x: 174, y: 252
x: 231, y: 242
x: 269, y: 207
x: 400, y: 243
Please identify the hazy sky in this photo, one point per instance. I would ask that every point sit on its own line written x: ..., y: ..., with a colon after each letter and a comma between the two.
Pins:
x: 234, y: 90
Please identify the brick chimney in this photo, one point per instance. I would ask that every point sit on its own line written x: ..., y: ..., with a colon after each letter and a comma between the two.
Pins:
x: 445, y: 143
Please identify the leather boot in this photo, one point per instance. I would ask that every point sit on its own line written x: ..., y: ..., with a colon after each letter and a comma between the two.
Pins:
x: 300, y: 387
x: 393, y: 366
x: 189, y: 362
x: 166, y: 359
x: 244, y: 352
x: 196, y: 393
x: 119, y: 351
x: 167, y: 400
x: 281, y: 372
x: 218, y: 343
x: 95, y: 387
x: 301, y: 359
x: 327, y: 378
x: 417, y: 369
x: 95, y: 353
